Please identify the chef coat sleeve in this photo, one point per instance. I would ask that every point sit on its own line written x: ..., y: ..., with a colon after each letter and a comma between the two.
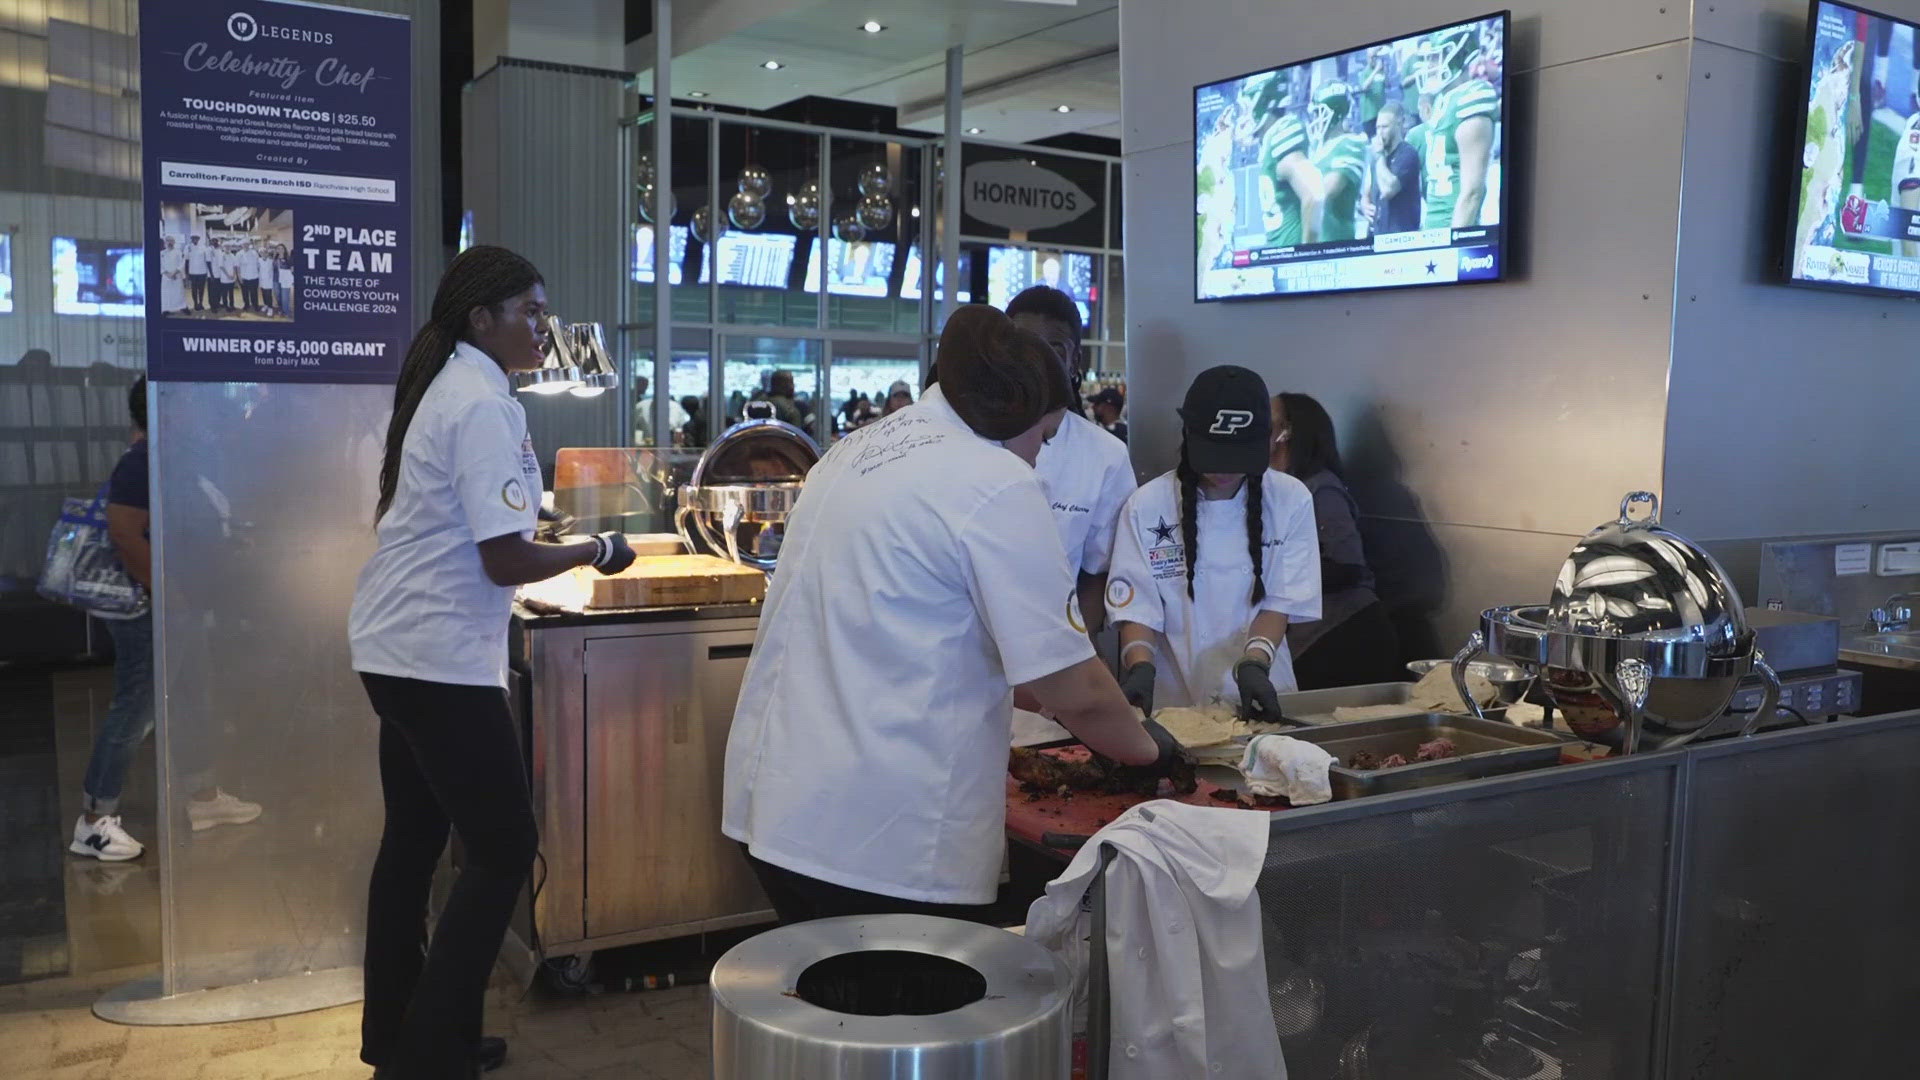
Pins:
x: 1133, y: 595
x: 1116, y: 484
x: 487, y: 475
x: 1023, y: 590
x: 1291, y: 568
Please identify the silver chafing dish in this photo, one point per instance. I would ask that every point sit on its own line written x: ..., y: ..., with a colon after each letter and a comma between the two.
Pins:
x: 741, y: 492
x: 1644, y: 628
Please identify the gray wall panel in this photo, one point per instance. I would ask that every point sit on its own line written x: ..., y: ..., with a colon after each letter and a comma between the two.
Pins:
x: 1792, y: 409
x: 1184, y: 44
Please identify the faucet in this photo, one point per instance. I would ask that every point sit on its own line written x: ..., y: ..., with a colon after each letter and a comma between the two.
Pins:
x: 1894, y: 616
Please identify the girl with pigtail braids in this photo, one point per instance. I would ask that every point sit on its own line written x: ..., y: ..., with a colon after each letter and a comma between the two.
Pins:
x: 1213, y: 560
x: 459, y: 496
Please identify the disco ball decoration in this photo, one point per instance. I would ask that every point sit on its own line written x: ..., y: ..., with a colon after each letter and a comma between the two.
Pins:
x: 848, y: 228
x: 803, y: 207
x: 747, y: 210
x: 705, y: 227
x: 643, y: 202
x: 755, y: 181
x: 875, y: 212
x: 643, y: 169
x: 874, y: 179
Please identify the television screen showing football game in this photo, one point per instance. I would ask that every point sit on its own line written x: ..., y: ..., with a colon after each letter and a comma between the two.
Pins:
x: 1375, y: 168
x: 1857, y: 216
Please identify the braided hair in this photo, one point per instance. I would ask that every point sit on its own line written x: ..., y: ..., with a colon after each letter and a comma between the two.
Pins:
x: 479, y: 277
x: 1256, y: 497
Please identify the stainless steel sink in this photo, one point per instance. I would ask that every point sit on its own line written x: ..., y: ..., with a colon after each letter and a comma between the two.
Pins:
x: 1896, y: 649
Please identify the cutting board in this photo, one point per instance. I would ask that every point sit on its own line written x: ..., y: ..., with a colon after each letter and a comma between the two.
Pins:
x: 678, y: 581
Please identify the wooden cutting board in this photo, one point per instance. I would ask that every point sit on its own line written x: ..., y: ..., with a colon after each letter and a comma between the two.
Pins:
x: 677, y: 581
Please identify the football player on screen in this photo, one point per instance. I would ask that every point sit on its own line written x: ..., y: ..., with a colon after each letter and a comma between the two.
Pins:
x: 1340, y: 156
x: 1906, y: 177
x: 1825, y: 155
x: 1290, y: 185
x: 1458, y: 147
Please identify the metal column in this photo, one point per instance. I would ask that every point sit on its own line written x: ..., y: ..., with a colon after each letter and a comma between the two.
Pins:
x: 950, y: 212
x: 662, y: 212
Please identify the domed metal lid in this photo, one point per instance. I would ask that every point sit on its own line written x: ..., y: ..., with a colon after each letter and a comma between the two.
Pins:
x: 755, y: 452
x: 1633, y: 578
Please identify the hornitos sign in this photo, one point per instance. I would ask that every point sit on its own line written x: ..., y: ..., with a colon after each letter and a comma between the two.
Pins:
x: 1018, y: 196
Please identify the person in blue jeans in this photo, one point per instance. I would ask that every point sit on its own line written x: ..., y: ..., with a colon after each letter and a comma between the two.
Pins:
x: 98, y: 832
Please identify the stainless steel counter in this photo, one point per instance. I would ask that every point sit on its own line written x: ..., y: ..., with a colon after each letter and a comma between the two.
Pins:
x: 628, y: 719
x: 1898, y: 651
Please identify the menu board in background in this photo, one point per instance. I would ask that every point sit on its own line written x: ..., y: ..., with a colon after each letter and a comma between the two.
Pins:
x: 98, y: 277
x: 280, y: 134
x: 760, y: 260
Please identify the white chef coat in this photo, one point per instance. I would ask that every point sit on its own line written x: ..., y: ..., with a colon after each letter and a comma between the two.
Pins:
x: 1201, y: 640
x: 919, y: 582
x: 197, y: 259
x: 424, y: 607
x: 1186, y: 963
x: 1087, y: 477
x: 225, y: 264
x: 249, y: 264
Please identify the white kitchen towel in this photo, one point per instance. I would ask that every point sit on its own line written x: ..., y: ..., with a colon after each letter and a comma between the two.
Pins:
x: 1187, y: 966
x: 1283, y: 765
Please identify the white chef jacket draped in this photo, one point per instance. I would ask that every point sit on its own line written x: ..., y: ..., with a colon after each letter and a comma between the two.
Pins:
x: 920, y: 581
x: 173, y: 279
x: 1201, y: 639
x: 1187, y: 972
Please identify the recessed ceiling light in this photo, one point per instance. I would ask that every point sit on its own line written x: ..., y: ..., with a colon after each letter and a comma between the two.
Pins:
x: 773, y: 65
x: 916, y: 211
x: 696, y: 93
x: 975, y: 131
x: 1063, y: 108
x: 871, y: 27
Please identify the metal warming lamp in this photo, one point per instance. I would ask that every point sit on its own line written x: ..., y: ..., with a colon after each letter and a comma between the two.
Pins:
x: 1644, y: 629
x: 576, y: 362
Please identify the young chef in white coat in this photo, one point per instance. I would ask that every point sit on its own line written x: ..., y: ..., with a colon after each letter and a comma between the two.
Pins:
x: 459, y: 497
x: 1214, y: 559
x: 1084, y: 470
x: 920, y: 583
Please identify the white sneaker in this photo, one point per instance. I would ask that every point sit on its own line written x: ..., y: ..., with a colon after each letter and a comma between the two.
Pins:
x: 222, y: 809
x: 104, y: 839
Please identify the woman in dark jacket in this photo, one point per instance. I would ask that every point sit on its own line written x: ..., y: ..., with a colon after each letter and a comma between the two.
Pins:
x: 1353, y: 643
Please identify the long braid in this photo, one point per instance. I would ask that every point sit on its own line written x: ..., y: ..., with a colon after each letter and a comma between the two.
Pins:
x: 1256, y: 491
x: 1189, y: 514
x: 481, y: 276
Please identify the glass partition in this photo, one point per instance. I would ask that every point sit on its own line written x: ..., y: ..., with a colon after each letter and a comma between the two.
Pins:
x: 782, y: 372
x: 769, y: 178
x: 687, y: 387
x: 864, y: 379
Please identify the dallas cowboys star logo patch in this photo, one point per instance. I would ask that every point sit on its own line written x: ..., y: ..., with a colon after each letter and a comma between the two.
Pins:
x: 1163, y: 532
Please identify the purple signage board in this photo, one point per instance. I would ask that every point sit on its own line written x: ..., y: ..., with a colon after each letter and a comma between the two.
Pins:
x: 278, y: 186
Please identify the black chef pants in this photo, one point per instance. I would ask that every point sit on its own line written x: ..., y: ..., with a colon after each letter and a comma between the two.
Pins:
x: 1362, y: 650
x: 799, y: 898
x: 449, y: 755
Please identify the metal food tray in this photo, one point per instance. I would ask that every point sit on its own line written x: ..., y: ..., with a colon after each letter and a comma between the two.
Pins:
x: 1315, y: 707
x: 1486, y: 748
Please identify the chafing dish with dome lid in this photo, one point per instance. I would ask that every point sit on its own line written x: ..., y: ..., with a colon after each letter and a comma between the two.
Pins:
x: 737, y: 501
x: 1644, y: 629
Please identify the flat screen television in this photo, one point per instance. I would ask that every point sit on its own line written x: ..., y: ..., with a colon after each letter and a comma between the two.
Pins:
x: 1287, y: 195
x: 6, y: 273
x: 858, y: 269
x: 760, y: 260
x: 1856, y: 209
x: 1011, y: 270
x: 99, y: 277
x: 910, y: 282
x: 643, y: 254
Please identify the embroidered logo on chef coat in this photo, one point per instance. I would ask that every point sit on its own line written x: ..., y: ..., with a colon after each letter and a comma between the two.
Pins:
x: 1074, y: 618
x: 514, y: 495
x: 1119, y: 592
x: 1167, y: 562
x: 1163, y: 532
x: 529, y: 461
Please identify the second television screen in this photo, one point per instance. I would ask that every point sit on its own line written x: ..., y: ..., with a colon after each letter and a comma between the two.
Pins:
x: 1375, y: 168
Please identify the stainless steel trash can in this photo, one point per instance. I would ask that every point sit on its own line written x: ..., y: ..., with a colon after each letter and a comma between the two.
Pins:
x: 890, y: 997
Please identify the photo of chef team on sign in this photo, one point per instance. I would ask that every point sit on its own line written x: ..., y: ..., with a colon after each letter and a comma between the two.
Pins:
x: 226, y: 262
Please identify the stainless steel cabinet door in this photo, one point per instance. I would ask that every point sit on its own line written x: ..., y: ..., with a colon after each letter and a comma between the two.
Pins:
x: 658, y: 711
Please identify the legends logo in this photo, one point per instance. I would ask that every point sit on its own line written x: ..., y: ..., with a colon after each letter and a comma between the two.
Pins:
x: 243, y: 27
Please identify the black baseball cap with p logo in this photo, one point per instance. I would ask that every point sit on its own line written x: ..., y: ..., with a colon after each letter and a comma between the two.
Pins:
x: 1227, y: 421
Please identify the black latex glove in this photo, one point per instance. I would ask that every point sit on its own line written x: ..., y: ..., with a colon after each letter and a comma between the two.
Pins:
x: 1137, y: 684
x: 1258, y: 701
x: 1171, y: 752
x: 615, y: 554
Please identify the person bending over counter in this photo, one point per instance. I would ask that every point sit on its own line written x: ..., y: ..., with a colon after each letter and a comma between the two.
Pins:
x: 1214, y: 560
x: 1353, y: 642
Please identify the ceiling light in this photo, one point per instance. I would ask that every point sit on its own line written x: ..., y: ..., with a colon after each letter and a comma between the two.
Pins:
x: 916, y: 211
x: 975, y: 130
x: 773, y: 65
x: 1063, y: 108
x: 696, y: 93
x: 871, y: 27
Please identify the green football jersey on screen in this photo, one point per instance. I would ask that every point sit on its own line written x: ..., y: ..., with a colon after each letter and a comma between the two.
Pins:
x: 1440, y: 146
x: 1345, y: 156
x: 1286, y: 137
